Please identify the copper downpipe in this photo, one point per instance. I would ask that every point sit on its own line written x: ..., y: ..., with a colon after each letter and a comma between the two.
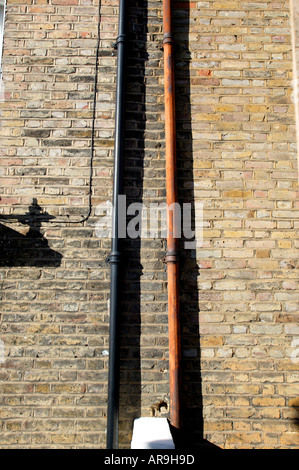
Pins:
x: 171, y: 257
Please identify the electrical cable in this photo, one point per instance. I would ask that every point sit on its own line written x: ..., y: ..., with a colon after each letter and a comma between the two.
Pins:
x: 85, y: 218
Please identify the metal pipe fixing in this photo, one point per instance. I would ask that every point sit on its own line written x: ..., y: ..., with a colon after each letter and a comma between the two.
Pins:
x: 115, y: 256
x: 171, y: 257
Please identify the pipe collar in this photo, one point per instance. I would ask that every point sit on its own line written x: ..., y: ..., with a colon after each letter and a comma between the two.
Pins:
x: 171, y: 257
x: 114, y: 257
x: 122, y: 38
x: 167, y: 38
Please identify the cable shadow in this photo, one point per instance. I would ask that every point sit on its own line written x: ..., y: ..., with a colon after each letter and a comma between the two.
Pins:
x: 130, y: 362
x: 192, y: 435
x: 30, y: 249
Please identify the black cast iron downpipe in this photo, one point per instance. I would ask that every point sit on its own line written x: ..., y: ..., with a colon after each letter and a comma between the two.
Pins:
x: 115, y: 256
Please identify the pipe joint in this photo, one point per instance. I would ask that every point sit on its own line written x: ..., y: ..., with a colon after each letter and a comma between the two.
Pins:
x: 167, y: 38
x: 171, y: 257
x: 114, y: 257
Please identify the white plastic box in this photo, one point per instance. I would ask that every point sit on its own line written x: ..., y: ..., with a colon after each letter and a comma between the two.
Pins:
x: 151, y: 433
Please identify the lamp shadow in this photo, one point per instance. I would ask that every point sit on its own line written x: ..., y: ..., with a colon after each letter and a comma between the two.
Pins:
x: 31, y: 248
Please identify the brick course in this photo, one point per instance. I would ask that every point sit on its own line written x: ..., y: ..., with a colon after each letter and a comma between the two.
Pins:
x: 236, y: 154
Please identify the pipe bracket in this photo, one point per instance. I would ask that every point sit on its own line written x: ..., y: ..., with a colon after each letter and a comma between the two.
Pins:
x: 122, y: 38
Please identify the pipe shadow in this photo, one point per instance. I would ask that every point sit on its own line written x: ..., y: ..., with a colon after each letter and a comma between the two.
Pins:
x: 31, y: 248
x: 295, y: 414
x: 192, y: 435
x: 132, y: 269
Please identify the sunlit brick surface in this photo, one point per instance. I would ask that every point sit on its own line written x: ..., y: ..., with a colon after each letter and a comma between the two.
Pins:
x: 236, y: 145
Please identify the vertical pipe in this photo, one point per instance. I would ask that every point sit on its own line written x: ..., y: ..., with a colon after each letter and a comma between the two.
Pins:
x: 115, y: 256
x: 171, y: 257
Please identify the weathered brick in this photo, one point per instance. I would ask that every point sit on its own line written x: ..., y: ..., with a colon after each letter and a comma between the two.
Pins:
x: 236, y: 141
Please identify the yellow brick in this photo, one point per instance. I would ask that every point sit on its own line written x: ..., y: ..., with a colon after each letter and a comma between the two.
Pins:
x: 262, y: 253
x: 278, y: 234
x: 247, y: 438
x: 270, y: 439
x: 237, y: 193
x: 226, y: 5
x: 284, y: 244
x: 52, y: 201
x: 218, y: 426
x: 294, y: 402
x: 270, y: 412
x: 211, y: 234
x: 290, y: 439
x: 268, y: 401
x: 42, y: 388
x: 256, y: 108
x: 277, y: 83
x: 202, y: 164
x: 211, y: 341
x: 208, y: 117
x: 227, y: 108
x: 237, y: 233
x: 263, y: 264
x: 242, y: 426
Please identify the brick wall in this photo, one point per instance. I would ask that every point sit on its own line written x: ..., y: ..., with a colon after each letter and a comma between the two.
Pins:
x: 294, y: 24
x: 236, y: 155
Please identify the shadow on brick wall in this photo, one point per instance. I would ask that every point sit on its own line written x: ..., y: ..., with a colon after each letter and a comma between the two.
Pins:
x: 295, y: 414
x: 30, y: 248
x: 130, y: 365
x: 192, y: 406
x: 137, y: 374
